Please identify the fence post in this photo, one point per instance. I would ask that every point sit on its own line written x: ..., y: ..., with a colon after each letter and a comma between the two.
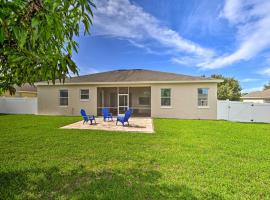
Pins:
x: 251, y: 113
x: 229, y: 107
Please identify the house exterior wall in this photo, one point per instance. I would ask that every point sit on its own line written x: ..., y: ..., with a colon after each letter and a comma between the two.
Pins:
x: 48, y: 100
x: 184, y: 99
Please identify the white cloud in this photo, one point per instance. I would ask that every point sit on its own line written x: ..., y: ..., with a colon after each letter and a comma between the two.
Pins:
x: 121, y: 18
x: 147, y: 49
x: 125, y: 19
x: 231, y: 10
x: 186, y: 60
x: 248, y: 80
x: 252, y: 20
x: 182, y: 61
x: 265, y: 71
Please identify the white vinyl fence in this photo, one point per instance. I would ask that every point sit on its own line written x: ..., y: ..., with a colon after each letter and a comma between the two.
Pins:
x: 15, y: 105
x: 243, y: 111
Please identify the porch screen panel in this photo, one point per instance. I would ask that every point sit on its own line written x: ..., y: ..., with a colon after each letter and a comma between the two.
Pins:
x: 140, y: 101
x: 107, y: 98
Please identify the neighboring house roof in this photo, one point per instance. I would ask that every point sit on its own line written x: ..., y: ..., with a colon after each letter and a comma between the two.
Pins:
x: 26, y: 88
x: 134, y: 75
x: 265, y: 94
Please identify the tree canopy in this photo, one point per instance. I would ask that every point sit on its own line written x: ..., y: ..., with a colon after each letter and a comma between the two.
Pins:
x: 37, y: 39
x: 266, y: 86
x: 228, y: 89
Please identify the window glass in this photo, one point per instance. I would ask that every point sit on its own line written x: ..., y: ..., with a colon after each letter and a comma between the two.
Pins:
x: 165, y: 102
x: 63, y: 97
x: 85, y: 94
x: 203, y: 97
x: 166, y: 97
x: 165, y: 92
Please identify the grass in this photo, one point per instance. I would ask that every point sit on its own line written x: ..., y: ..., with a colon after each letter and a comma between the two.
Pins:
x: 185, y: 159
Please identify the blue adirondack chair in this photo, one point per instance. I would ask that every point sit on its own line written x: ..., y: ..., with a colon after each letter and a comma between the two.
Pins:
x: 124, y: 118
x: 87, y: 118
x: 106, y: 114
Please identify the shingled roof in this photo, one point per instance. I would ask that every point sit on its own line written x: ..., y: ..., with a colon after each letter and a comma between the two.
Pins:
x: 265, y: 94
x: 136, y: 75
x: 26, y: 88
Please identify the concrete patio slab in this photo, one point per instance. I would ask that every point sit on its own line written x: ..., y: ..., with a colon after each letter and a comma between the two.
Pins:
x: 137, y: 124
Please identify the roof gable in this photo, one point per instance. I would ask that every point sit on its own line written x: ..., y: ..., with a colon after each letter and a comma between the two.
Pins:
x: 265, y: 94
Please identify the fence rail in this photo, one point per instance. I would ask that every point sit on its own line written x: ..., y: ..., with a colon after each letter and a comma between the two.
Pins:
x: 15, y: 105
x: 243, y: 111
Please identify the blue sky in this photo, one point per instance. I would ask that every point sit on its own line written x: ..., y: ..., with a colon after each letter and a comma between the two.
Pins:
x: 196, y: 37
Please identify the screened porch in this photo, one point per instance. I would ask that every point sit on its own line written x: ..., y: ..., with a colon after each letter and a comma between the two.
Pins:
x: 120, y: 99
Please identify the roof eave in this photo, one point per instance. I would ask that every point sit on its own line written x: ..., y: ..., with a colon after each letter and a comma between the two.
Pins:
x: 133, y: 82
x: 25, y: 91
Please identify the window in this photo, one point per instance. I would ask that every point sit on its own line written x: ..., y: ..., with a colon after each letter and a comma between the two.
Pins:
x: 203, y: 97
x: 84, y: 94
x: 166, y: 97
x: 63, y: 97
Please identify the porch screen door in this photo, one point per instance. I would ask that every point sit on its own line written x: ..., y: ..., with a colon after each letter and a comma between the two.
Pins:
x: 122, y: 103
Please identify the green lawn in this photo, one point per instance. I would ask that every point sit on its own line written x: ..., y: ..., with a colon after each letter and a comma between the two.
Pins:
x: 188, y: 159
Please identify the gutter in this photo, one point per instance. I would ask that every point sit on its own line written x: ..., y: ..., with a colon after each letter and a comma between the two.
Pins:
x: 27, y: 92
x: 131, y: 83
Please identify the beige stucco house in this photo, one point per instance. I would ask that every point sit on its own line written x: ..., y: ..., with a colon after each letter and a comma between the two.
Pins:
x: 148, y: 93
x: 25, y: 90
x: 257, y: 97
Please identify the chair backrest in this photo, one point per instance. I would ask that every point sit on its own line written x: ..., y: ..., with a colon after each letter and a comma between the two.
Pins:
x: 105, y: 111
x: 127, y: 115
x: 84, y: 115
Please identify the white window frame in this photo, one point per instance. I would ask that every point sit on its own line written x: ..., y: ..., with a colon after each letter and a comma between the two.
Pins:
x: 170, y: 106
x: 206, y: 106
x: 81, y: 95
x: 63, y: 97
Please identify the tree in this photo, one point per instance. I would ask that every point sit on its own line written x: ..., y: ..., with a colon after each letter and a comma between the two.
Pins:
x: 266, y: 86
x: 228, y: 89
x: 37, y: 39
